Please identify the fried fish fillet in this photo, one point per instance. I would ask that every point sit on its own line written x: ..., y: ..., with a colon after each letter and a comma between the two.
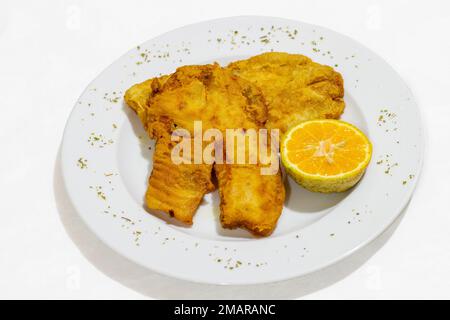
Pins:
x: 249, y: 199
x: 251, y: 190
x: 250, y: 193
x: 206, y: 93
x: 174, y: 189
x: 219, y: 100
x: 295, y: 88
x: 138, y: 96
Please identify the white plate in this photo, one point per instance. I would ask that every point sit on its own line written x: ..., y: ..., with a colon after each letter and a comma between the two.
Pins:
x: 314, y: 231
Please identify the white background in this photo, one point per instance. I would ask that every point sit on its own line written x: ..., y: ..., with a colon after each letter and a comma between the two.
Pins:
x: 51, y: 50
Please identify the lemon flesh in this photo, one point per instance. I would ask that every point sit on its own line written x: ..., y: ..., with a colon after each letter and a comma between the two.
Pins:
x: 327, y: 151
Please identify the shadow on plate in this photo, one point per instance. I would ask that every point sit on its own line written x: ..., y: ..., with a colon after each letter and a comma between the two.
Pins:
x: 317, y: 202
x: 158, y: 286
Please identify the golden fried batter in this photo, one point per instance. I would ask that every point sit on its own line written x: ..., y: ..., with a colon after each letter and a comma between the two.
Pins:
x: 206, y: 93
x: 249, y: 199
x: 137, y: 97
x: 222, y: 101
x: 176, y: 188
x: 273, y: 90
x: 295, y: 87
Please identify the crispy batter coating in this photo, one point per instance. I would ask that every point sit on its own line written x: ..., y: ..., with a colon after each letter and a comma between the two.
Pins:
x: 206, y: 93
x: 274, y: 90
x: 176, y: 189
x: 295, y: 88
x: 220, y: 100
x: 249, y: 199
x: 223, y: 101
x: 137, y: 97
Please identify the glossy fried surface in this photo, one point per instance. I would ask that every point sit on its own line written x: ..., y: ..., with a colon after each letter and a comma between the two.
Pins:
x: 273, y: 90
x: 295, y: 88
x: 176, y: 189
x: 220, y: 100
x: 249, y: 199
x: 138, y: 96
x: 206, y: 93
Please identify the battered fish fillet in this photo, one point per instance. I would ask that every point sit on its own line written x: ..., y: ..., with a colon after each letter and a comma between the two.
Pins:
x: 206, y: 93
x: 295, y: 88
x: 174, y: 189
x: 138, y: 96
x: 222, y: 101
x: 249, y: 199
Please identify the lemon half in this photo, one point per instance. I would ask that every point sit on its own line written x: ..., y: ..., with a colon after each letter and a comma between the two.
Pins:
x: 325, y: 155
